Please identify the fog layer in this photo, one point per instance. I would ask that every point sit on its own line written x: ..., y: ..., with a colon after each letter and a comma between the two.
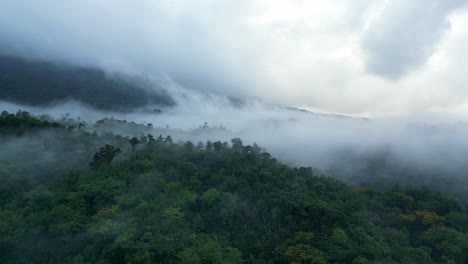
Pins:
x: 422, y: 150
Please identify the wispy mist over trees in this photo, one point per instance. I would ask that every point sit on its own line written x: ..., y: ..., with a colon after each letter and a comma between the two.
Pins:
x: 235, y: 131
x: 149, y: 199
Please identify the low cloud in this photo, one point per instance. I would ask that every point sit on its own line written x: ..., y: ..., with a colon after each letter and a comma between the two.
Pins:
x: 336, y: 56
x: 405, y: 34
x: 424, y: 150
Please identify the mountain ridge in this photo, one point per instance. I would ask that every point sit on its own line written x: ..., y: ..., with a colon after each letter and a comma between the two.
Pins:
x: 41, y: 83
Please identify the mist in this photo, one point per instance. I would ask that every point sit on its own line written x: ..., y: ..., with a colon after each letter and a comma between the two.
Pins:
x: 235, y: 131
x: 365, y: 58
x: 423, y: 149
x: 246, y: 69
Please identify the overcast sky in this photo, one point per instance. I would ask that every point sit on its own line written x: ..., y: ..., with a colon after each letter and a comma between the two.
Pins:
x: 357, y: 57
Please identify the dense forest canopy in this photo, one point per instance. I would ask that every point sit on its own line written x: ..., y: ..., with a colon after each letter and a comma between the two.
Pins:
x: 44, y: 83
x: 73, y: 192
x: 241, y: 131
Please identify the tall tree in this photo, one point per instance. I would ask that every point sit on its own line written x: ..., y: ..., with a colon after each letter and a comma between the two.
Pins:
x: 104, y: 156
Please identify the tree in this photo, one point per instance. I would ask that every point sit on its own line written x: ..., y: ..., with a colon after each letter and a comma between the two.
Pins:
x: 159, y: 140
x: 200, y: 145
x: 236, y: 144
x: 218, y: 146
x: 151, y: 140
x: 168, y: 140
x: 209, y: 145
x: 301, y: 253
x: 189, y: 146
x: 133, y: 141
x: 104, y: 156
x: 256, y: 149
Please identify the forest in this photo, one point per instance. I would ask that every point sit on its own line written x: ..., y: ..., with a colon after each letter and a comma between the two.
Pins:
x: 74, y: 193
x: 21, y: 81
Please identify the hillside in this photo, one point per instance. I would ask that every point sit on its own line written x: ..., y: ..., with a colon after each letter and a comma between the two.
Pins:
x: 71, y: 195
x: 40, y: 83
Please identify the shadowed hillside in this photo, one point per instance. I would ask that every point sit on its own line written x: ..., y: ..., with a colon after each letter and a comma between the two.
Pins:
x: 43, y: 83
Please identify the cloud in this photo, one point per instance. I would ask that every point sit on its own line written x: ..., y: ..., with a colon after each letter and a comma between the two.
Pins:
x: 423, y: 150
x: 405, y: 34
x: 336, y: 56
x: 188, y: 41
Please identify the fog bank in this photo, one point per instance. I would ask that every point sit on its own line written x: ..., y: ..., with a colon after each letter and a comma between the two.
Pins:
x: 420, y: 149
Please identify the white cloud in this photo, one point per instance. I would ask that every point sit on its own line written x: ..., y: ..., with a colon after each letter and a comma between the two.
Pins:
x: 334, y: 55
x: 405, y: 35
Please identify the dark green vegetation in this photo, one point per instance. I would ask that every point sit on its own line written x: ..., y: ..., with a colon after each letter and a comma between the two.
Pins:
x: 384, y: 168
x: 72, y: 196
x: 44, y: 83
x: 22, y: 121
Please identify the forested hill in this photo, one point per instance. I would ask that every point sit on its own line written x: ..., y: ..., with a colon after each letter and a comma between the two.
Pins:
x: 71, y: 195
x: 43, y: 83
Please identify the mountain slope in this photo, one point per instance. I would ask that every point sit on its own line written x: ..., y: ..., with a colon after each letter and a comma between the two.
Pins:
x: 151, y: 200
x: 43, y: 83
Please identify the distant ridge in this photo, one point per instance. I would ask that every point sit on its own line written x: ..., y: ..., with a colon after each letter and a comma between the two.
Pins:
x: 320, y: 114
x: 41, y: 83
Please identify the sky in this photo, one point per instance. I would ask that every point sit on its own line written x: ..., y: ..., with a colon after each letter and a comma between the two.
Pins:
x: 357, y: 57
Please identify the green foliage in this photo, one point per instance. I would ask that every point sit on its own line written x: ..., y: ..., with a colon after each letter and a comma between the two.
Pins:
x: 162, y: 201
x: 22, y: 121
x: 104, y: 156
